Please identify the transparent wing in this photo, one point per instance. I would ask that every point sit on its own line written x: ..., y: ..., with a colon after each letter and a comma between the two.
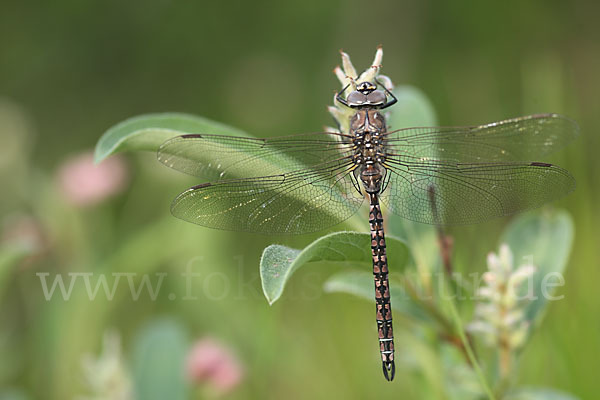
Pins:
x: 297, y: 202
x: 217, y: 157
x: 467, y: 193
x: 518, y: 139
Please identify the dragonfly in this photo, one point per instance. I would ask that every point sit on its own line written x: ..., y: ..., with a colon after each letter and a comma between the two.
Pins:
x: 305, y: 183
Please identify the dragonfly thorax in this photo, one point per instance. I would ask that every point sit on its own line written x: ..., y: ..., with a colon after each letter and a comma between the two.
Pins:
x: 368, y: 128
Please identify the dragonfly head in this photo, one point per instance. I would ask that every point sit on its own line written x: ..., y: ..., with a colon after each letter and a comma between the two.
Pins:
x: 366, y: 94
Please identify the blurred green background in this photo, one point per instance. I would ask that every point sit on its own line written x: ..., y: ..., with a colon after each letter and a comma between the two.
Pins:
x: 70, y: 70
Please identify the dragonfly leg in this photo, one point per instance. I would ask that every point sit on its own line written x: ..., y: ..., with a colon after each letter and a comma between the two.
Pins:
x: 339, y: 97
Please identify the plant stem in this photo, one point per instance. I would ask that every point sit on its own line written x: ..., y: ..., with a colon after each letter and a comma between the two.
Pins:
x: 504, y: 353
x: 505, y: 361
x: 445, y: 243
x: 469, y: 350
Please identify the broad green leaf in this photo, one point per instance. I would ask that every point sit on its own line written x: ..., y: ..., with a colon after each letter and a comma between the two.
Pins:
x: 278, y: 263
x: 148, y: 132
x: 360, y: 283
x: 543, y: 239
x: 534, y: 393
x: 413, y: 109
x: 159, y: 360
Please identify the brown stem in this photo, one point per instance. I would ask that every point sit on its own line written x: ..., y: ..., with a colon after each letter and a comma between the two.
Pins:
x: 446, y: 245
x: 445, y: 242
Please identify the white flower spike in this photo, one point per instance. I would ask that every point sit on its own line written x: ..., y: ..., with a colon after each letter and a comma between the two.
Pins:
x: 500, y: 313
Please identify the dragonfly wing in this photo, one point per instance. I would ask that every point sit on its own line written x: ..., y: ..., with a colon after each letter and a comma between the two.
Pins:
x: 517, y: 139
x: 292, y: 203
x: 467, y: 193
x: 217, y: 157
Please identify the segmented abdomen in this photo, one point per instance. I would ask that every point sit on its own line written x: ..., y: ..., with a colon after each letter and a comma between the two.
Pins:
x: 382, y: 291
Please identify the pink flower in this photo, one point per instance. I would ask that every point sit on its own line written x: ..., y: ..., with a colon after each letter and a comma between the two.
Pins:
x: 84, y: 183
x: 212, y: 362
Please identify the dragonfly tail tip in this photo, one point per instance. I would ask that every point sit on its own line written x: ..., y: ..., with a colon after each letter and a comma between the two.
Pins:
x: 389, y: 370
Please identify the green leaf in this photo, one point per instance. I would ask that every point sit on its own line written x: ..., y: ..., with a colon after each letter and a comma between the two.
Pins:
x: 148, y: 132
x: 543, y: 239
x: 413, y: 109
x: 158, y: 362
x: 278, y: 263
x: 533, y: 393
x: 360, y: 283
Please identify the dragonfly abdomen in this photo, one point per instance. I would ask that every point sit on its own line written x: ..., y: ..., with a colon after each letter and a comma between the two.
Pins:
x: 382, y: 288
